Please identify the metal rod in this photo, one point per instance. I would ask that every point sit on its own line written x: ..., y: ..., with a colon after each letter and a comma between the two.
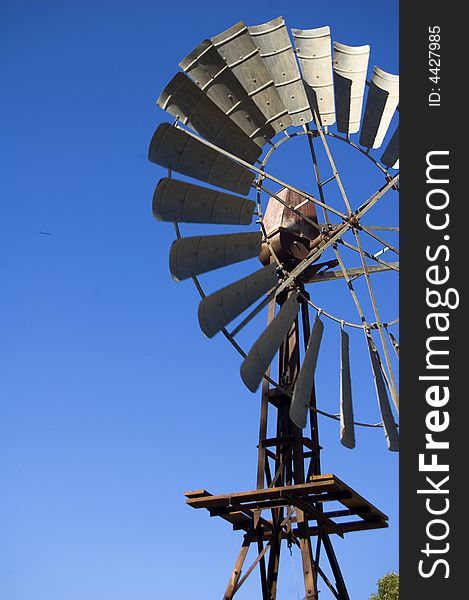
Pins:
x: 353, y: 272
x: 270, y: 296
x: 251, y: 568
x: 336, y: 250
x: 379, y: 228
x: 357, y: 147
x: 394, y: 342
x: 391, y: 266
x: 332, y: 163
x: 262, y: 460
x: 393, y: 387
x: 379, y: 239
x: 327, y: 181
x: 317, y: 174
x: 231, y: 588
x: 339, y: 580
x: 295, y: 208
x: 353, y: 293
x: 365, y: 207
x: 248, y: 165
x: 329, y: 315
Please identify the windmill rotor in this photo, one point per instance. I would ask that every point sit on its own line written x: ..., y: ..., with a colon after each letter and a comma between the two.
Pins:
x: 239, y: 97
x: 224, y: 116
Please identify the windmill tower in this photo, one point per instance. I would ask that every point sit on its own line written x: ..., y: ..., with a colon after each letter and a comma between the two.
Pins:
x: 245, y: 90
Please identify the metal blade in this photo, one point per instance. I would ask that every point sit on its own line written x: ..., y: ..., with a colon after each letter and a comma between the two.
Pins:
x: 187, y: 102
x: 350, y: 67
x: 390, y: 156
x: 263, y: 351
x: 241, y: 55
x: 220, y: 308
x: 313, y: 48
x: 276, y: 50
x: 192, y: 256
x: 389, y: 425
x: 182, y: 202
x: 382, y: 101
x: 301, y: 400
x: 347, y: 429
x: 210, y: 72
x: 174, y: 149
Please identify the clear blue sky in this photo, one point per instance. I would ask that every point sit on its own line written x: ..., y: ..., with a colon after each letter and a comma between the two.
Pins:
x: 112, y: 402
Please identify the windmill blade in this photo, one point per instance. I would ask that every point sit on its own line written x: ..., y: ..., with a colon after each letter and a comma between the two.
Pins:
x: 390, y: 156
x: 382, y: 101
x: 220, y: 308
x: 175, y: 149
x: 239, y: 52
x: 181, y: 202
x: 210, y: 72
x: 185, y: 101
x: 263, y: 351
x: 350, y: 66
x: 313, y: 48
x: 276, y: 50
x: 389, y: 425
x: 347, y: 429
x: 192, y: 256
x: 301, y: 400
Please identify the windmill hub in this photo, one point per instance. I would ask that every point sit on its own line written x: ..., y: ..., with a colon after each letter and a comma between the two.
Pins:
x: 289, y: 235
x: 354, y: 221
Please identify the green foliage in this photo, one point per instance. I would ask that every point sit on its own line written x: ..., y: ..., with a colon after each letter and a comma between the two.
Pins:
x: 388, y: 588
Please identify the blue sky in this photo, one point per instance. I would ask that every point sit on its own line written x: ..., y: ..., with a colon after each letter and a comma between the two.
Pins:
x: 112, y: 402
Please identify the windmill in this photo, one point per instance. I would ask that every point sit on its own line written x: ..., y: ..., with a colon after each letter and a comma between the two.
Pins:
x: 238, y: 98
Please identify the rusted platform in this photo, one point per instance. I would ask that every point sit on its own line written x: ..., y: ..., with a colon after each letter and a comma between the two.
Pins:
x: 239, y: 508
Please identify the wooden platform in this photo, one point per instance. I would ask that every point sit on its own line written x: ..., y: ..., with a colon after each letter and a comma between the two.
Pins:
x: 238, y: 508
